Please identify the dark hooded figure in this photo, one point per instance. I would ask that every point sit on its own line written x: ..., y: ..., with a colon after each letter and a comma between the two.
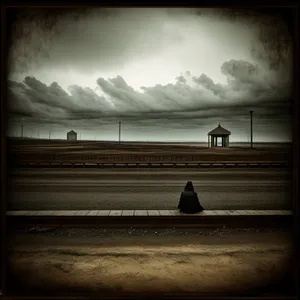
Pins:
x: 189, y: 202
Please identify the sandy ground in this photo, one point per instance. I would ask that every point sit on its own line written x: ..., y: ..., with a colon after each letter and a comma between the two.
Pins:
x: 64, y: 261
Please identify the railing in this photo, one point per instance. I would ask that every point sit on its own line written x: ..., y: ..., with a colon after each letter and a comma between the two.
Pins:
x: 121, y: 158
x: 143, y: 164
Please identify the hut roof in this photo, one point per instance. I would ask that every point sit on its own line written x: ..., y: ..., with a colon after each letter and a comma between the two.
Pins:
x: 72, y: 131
x: 219, y: 131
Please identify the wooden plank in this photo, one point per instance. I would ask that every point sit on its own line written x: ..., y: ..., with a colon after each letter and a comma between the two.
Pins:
x: 201, y: 213
x: 221, y: 212
x: 114, y: 213
x: 103, y: 213
x: 253, y: 212
x: 140, y: 213
x: 172, y: 211
x: 210, y: 212
x: 70, y: 213
x: 30, y: 213
x: 127, y: 212
x: 45, y: 213
x: 243, y: 212
x: 15, y: 213
x: 175, y: 212
x: 153, y: 213
x: 81, y: 212
x: 259, y: 212
x: 270, y: 212
x: 92, y: 213
x: 58, y: 212
x: 64, y: 212
x: 232, y: 213
x: 165, y: 212
x: 286, y: 212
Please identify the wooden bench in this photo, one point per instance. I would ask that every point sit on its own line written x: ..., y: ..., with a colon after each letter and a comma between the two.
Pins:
x: 151, y: 218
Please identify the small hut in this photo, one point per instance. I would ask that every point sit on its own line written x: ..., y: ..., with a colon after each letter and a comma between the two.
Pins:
x: 219, y: 137
x: 72, y: 136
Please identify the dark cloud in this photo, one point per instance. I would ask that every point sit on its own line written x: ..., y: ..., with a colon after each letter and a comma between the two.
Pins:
x: 124, y: 97
x: 181, y: 79
x: 107, y: 40
x: 52, y: 96
x: 87, y: 100
x: 209, y: 84
x: 108, y: 37
x: 272, y: 45
x: 179, y: 106
x: 247, y: 84
x: 240, y: 70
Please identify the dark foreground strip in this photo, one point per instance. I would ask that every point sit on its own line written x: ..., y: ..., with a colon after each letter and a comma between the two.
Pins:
x: 257, y: 221
x: 250, y: 295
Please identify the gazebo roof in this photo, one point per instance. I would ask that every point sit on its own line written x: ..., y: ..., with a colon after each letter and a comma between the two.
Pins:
x: 219, y: 131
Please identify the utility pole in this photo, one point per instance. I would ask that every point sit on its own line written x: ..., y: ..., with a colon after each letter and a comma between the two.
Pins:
x: 251, y: 128
x: 21, y: 130
x: 119, y: 132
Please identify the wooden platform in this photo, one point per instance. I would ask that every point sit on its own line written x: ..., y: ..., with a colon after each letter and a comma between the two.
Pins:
x: 151, y: 218
x: 163, y: 213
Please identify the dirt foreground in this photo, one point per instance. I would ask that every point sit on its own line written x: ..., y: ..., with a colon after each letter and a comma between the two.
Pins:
x: 65, y: 261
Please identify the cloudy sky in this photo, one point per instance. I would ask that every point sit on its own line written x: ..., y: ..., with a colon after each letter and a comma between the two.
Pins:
x: 168, y: 74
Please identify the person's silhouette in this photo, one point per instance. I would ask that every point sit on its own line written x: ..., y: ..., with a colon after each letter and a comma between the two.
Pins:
x: 189, y: 202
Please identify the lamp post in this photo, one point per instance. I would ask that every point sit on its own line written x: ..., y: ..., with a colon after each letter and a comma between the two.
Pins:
x: 251, y: 128
x: 120, y: 132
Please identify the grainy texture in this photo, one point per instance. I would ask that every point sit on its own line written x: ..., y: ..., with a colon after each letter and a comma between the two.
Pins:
x: 165, y: 260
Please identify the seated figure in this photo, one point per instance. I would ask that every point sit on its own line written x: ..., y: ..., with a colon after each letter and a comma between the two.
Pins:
x: 189, y: 202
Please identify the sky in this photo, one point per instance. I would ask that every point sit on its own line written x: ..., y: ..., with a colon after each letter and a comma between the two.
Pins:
x: 168, y: 74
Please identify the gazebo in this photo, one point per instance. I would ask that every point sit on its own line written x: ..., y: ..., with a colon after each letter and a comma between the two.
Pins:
x: 219, y: 137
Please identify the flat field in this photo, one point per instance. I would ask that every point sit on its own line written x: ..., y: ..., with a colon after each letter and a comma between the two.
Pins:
x: 133, y: 151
